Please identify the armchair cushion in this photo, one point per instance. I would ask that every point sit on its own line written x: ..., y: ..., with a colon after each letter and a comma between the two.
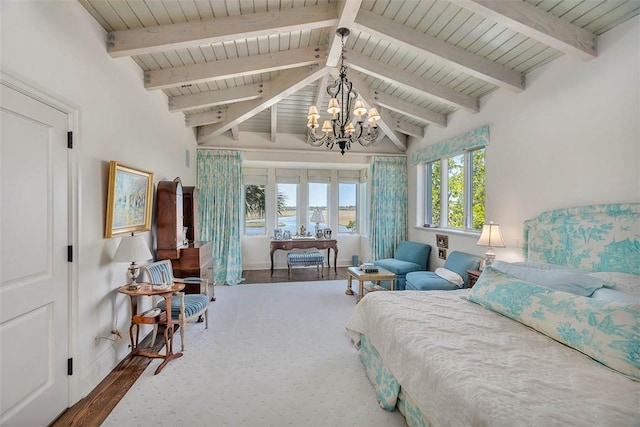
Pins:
x: 458, y: 262
x: 409, y: 256
x: 193, y: 304
x: 397, y: 266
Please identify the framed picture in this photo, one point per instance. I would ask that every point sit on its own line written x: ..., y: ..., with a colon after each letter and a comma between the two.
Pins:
x: 442, y: 241
x: 442, y: 253
x: 286, y: 235
x: 319, y: 233
x: 277, y: 234
x: 327, y: 233
x: 129, y: 200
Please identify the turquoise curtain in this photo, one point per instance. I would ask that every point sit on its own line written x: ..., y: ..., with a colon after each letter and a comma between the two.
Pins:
x: 220, y: 183
x: 388, y: 210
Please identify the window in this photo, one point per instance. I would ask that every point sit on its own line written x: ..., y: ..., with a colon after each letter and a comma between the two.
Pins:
x: 286, y: 207
x: 347, y: 207
x: 286, y: 198
x: 454, y: 191
x: 254, y: 210
x: 318, y: 199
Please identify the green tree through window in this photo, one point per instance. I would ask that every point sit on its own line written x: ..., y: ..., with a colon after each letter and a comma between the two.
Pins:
x: 255, y: 208
x: 463, y: 188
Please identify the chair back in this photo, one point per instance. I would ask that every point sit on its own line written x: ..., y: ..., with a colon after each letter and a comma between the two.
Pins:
x: 415, y: 252
x: 460, y: 262
x: 155, y: 269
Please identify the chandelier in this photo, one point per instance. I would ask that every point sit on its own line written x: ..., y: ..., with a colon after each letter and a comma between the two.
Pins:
x: 341, y: 130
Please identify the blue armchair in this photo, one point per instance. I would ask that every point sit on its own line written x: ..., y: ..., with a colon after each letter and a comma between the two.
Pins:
x: 409, y: 256
x: 458, y: 262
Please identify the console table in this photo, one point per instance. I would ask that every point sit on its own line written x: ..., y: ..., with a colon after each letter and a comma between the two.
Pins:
x: 137, y: 319
x: 287, y: 245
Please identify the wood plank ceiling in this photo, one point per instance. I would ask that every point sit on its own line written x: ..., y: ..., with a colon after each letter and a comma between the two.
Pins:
x: 257, y: 65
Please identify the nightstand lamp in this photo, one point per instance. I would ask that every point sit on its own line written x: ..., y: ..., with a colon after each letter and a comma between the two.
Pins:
x: 317, y: 217
x: 132, y: 249
x: 492, y: 238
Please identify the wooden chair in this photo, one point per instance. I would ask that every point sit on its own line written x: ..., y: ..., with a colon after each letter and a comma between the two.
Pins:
x: 186, y: 306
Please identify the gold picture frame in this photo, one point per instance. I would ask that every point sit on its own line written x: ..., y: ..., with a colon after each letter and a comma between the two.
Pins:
x: 129, y: 200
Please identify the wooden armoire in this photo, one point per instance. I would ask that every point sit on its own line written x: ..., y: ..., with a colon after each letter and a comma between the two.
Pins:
x: 177, y: 208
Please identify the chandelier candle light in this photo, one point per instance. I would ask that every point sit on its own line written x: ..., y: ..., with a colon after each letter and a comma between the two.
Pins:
x: 340, y: 130
x: 491, y: 237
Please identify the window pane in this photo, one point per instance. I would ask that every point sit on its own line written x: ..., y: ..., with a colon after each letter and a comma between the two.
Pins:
x: 455, y: 193
x: 477, y: 188
x: 318, y: 197
x: 435, y: 177
x: 347, y: 207
x: 254, y: 210
x: 287, y: 204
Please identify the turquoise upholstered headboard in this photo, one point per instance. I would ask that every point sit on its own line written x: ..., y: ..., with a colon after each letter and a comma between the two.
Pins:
x: 593, y: 238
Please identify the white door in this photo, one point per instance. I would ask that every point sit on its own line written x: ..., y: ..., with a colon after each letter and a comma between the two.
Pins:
x: 34, y: 269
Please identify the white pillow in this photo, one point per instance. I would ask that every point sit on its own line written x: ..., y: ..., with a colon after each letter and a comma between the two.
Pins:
x: 623, y: 282
x: 450, y: 276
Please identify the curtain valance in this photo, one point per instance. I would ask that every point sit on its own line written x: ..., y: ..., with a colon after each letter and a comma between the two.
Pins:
x: 477, y: 137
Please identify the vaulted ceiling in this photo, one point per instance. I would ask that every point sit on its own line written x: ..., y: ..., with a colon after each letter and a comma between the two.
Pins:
x: 234, y: 66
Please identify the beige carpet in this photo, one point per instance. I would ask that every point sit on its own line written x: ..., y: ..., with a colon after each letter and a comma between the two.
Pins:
x: 274, y: 355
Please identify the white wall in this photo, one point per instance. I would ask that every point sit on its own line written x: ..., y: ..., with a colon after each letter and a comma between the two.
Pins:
x: 571, y: 138
x: 58, y: 47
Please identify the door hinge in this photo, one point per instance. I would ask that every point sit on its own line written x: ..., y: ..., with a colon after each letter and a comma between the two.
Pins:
x: 69, y: 139
x: 70, y: 253
x: 70, y: 366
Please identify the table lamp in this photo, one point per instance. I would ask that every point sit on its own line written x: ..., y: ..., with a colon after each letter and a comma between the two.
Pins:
x: 317, y: 217
x: 132, y: 249
x: 492, y: 238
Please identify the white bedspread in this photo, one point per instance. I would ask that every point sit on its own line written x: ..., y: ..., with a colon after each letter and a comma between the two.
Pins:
x: 464, y: 365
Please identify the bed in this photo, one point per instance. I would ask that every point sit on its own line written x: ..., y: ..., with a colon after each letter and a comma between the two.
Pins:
x: 554, y: 340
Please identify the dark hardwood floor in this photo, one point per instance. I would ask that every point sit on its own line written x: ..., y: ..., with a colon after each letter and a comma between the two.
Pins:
x: 298, y: 274
x: 97, y: 405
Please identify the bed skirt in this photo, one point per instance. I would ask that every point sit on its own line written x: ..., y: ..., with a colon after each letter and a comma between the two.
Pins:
x: 389, y: 393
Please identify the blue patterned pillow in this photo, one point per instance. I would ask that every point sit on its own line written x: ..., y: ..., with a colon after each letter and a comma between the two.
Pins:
x: 608, y: 332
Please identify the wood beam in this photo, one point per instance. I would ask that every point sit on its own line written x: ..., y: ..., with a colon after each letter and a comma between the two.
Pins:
x: 537, y: 24
x: 403, y: 125
x: 160, y: 38
x: 205, y: 118
x: 408, y: 109
x: 274, y: 122
x: 287, y: 83
x: 413, y: 83
x: 230, y: 68
x: 398, y: 139
x: 235, y: 133
x: 321, y: 93
x: 347, y: 12
x: 425, y: 45
x: 216, y: 97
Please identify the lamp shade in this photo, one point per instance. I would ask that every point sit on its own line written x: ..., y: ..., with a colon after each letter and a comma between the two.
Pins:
x: 491, y: 236
x: 132, y: 249
x: 317, y: 216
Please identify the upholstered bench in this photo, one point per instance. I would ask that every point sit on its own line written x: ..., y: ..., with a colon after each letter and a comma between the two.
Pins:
x: 306, y: 258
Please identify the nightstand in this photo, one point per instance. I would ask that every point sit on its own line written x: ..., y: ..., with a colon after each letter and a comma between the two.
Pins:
x: 472, y: 277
